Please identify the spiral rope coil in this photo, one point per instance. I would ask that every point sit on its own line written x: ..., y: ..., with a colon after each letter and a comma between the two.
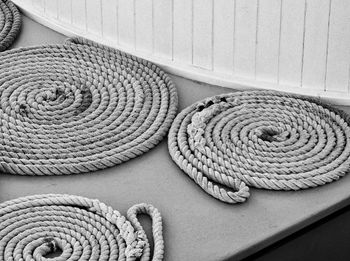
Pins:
x: 79, y: 107
x: 75, y: 228
x: 262, y: 139
x: 10, y: 23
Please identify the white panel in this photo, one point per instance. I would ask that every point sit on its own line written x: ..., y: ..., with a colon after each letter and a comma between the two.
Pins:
x: 338, y: 68
x: 291, y: 46
x: 299, y: 46
x: 223, y: 35
x: 109, y: 19
x: 162, y: 15
x: 126, y: 23
x: 268, y: 40
x: 93, y: 12
x: 144, y: 23
x: 315, y: 45
x: 183, y: 31
x: 65, y: 10
x: 79, y: 13
x: 202, y: 33
x: 51, y: 8
x: 245, y: 37
x: 38, y: 5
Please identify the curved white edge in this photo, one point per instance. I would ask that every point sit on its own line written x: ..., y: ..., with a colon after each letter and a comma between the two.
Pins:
x: 197, y: 74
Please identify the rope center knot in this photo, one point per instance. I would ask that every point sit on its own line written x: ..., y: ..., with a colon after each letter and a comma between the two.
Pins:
x: 272, y: 134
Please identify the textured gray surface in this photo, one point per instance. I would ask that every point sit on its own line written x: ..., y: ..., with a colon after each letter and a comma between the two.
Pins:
x: 70, y: 227
x: 65, y: 108
x: 196, y: 226
x: 10, y: 23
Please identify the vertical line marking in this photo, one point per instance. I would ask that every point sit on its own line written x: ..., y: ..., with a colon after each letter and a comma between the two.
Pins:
x: 71, y: 11
x: 349, y: 80
x: 234, y: 36
x: 256, y: 36
x: 279, y: 43
x: 134, y: 14
x: 327, y: 45
x: 192, y: 31
x: 212, y: 34
x: 101, y: 20
x: 57, y: 8
x: 153, y: 47
x: 117, y: 20
x: 172, y: 29
x: 86, y: 26
x: 303, y: 51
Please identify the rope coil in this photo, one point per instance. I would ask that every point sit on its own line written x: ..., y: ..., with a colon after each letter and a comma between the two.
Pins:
x: 262, y: 139
x: 79, y: 107
x: 10, y: 23
x: 78, y: 228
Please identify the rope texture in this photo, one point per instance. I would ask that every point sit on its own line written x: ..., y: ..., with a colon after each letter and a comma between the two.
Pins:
x: 262, y: 139
x: 79, y: 107
x: 75, y: 228
x: 10, y: 23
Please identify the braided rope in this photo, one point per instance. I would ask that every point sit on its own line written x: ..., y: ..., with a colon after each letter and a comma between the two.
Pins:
x: 10, y: 23
x: 262, y: 139
x: 75, y: 228
x: 79, y: 107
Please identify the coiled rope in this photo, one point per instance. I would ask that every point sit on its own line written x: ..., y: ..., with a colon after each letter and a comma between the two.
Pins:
x: 10, y: 23
x: 75, y: 228
x: 262, y: 139
x: 79, y: 107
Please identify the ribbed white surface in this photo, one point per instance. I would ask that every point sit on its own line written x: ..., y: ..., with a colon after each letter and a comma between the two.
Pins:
x: 300, y: 46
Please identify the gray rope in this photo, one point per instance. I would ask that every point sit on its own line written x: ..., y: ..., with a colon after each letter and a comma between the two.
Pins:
x: 10, y: 23
x: 75, y: 228
x: 79, y: 107
x: 262, y: 139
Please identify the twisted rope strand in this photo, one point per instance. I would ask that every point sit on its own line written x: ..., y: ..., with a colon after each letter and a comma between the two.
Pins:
x: 262, y: 139
x: 10, y: 23
x: 79, y: 107
x: 33, y: 227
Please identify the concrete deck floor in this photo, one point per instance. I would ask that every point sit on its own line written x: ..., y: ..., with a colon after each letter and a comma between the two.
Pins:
x: 196, y: 226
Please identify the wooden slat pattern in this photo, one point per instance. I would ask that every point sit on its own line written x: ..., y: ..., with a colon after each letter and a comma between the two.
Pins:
x: 245, y: 37
x: 291, y: 42
x: 144, y: 25
x: 268, y: 40
x: 315, y: 44
x: 223, y: 33
x: 296, y: 45
x: 338, y: 62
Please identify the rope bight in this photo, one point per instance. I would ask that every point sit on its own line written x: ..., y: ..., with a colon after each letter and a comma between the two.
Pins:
x: 261, y: 139
x: 75, y: 228
x: 10, y: 23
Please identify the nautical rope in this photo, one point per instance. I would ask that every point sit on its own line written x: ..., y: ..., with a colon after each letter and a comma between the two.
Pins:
x: 10, y: 23
x: 75, y: 228
x: 262, y: 139
x: 79, y: 107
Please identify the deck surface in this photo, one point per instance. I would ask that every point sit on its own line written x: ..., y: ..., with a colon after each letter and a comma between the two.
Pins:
x: 196, y: 226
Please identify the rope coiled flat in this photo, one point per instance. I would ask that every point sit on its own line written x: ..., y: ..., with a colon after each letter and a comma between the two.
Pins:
x: 262, y: 139
x: 79, y: 107
x: 75, y: 228
x: 10, y: 23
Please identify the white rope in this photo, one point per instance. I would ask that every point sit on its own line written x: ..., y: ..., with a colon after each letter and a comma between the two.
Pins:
x: 261, y: 139
x: 79, y: 107
x: 75, y: 228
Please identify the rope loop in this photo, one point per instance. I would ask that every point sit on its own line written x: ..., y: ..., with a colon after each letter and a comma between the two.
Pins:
x: 10, y: 23
x: 75, y: 228
x: 262, y: 139
x: 79, y: 107
x: 157, y: 230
